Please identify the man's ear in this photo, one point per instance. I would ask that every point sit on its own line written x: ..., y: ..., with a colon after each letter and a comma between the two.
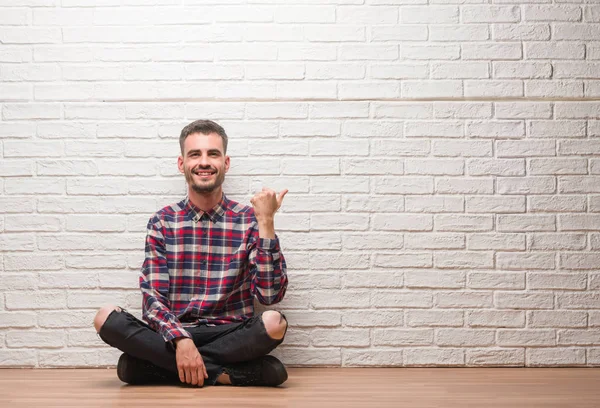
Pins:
x: 227, y: 163
x: 180, y: 164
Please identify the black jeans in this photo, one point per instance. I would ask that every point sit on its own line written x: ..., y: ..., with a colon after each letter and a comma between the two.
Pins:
x: 218, y: 345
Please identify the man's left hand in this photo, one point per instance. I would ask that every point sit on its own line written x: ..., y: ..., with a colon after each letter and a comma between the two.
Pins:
x: 266, y: 203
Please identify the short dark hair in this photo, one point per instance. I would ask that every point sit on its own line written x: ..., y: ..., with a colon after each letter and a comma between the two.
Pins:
x: 205, y: 127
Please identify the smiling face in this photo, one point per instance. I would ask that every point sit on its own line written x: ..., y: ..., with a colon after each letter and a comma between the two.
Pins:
x: 203, y: 162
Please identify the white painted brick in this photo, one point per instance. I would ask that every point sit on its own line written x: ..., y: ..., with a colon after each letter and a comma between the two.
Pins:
x: 402, y: 222
x: 22, y: 53
x: 31, y: 111
x: 551, y: 13
x: 456, y: 222
x: 68, y: 358
x: 429, y: 15
x: 557, y: 241
x: 434, y: 241
x: 575, y: 184
x: 434, y: 167
x: 309, y: 356
x: 434, y: 204
x: 376, y: 358
x: 459, y: 70
x: 29, y: 262
x: 493, y: 88
x: 526, y: 148
x: 28, y: 300
x: 579, y: 222
x: 95, y: 261
x: 340, y: 261
x: 463, y: 260
x: 557, y: 166
x: 579, y: 147
x: 503, y: 241
x: 372, y: 318
x: 370, y: 240
x: 592, y: 321
x: 388, y: 279
x: 312, y: 318
x: 367, y: 15
x: 496, y: 167
x: 521, y: 32
x: 431, y: 51
x: 508, y: 300
x: 18, y: 242
x: 43, y: 223
x: 462, y: 148
x: 403, y: 185
x: 17, y: 319
x: 337, y: 33
x: 398, y: 33
x: 347, y: 299
x: 536, y: 357
x: 556, y: 281
x: 471, y: 32
x: 572, y: 70
x: 496, y: 318
x: 554, y: 89
x: 464, y: 185
x: 554, y: 50
x: 491, y: 51
x: 402, y: 110
x: 30, y: 35
x: 214, y: 71
x: 556, y: 128
x: 402, y: 337
x: 530, y: 185
x: 36, y: 339
x: 404, y: 260
x: 552, y: 318
x: 511, y: 337
x: 462, y: 110
x: 523, y: 261
x: 324, y: 184
x: 360, y: 203
x: 16, y: 168
x: 576, y: 110
x: 438, y: 279
x: 307, y: 52
x: 496, y: 280
x: 490, y: 14
x: 18, y: 358
x: 579, y: 337
x: 368, y: 90
x: 276, y: 110
x: 433, y: 128
x: 307, y: 167
x: 414, y: 299
x: 336, y: 71
x: 465, y: 337
x: 433, y: 318
x: 432, y: 89
x: 579, y: 261
x: 329, y: 222
x: 588, y: 300
x: 495, y: 357
x: 373, y: 166
x: 495, y: 204
x: 368, y: 52
x: 523, y: 110
x: 434, y: 357
x: 298, y: 90
x: 340, y: 337
x: 524, y: 70
x: 564, y: 203
x: 526, y: 222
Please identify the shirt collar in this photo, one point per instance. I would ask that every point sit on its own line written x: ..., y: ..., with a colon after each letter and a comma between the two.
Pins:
x: 214, y: 214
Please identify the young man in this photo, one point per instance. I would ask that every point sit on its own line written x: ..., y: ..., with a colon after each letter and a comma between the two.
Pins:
x: 207, y: 258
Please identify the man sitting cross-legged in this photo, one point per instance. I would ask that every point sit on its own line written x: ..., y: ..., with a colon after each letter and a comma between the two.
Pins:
x: 207, y: 258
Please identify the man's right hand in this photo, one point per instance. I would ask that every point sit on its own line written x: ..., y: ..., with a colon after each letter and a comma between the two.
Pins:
x: 189, y: 362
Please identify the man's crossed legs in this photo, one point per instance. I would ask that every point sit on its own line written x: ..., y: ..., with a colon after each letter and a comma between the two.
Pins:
x: 234, y: 353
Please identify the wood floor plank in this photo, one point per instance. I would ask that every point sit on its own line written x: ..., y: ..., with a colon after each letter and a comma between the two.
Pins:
x: 317, y: 387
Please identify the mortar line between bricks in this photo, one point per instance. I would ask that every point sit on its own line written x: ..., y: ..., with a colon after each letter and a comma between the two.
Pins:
x: 271, y: 100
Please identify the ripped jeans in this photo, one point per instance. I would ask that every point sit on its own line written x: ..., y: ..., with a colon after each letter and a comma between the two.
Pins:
x: 218, y: 345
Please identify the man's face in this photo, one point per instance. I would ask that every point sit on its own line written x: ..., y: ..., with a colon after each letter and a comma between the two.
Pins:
x: 203, y: 163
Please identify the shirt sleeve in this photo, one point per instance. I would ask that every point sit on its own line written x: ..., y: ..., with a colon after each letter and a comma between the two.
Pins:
x: 267, y: 268
x: 154, y: 284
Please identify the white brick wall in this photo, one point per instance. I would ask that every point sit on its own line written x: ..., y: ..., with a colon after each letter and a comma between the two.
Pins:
x: 443, y: 163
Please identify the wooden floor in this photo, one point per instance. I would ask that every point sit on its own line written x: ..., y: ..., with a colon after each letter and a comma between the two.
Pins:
x: 317, y: 387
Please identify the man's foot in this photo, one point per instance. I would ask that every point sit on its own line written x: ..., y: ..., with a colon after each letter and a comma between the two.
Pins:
x: 135, y: 371
x: 264, y: 371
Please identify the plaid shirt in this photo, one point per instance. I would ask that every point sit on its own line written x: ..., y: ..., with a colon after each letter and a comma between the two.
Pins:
x: 206, y: 267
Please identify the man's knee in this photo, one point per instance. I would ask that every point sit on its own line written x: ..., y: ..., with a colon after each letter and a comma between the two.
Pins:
x: 102, y: 315
x: 275, y: 324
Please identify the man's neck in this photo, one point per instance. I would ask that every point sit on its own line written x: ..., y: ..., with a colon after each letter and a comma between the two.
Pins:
x: 205, y: 201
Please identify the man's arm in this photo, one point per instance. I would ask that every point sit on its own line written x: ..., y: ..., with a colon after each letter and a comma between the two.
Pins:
x: 267, y: 264
x: 154, y: 284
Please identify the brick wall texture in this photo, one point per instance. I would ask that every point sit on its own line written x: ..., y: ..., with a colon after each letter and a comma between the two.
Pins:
x: 442, y: 156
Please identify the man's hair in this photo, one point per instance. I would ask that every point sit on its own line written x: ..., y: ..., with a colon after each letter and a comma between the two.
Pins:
x: 205, y: 127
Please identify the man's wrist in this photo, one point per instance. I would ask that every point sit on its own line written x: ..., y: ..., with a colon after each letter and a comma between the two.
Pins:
x: 266, y: 227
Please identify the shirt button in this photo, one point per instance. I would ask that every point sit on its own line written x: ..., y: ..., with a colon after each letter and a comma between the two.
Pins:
x: 203, y: 262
